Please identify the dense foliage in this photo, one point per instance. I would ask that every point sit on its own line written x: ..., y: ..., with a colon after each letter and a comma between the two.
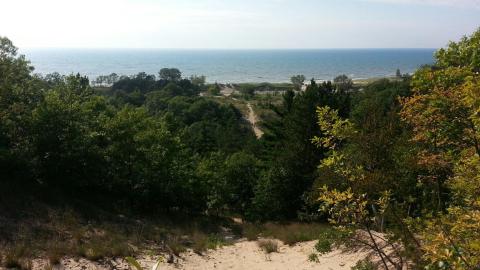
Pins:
x: 152, y: 143
x: 406, y: 163
x: 143, y: 144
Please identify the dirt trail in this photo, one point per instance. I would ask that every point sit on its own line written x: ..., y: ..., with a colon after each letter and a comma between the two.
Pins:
x: 252, y: 118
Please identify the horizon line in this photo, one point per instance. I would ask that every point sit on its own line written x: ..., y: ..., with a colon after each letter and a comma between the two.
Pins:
x: 225, y: 49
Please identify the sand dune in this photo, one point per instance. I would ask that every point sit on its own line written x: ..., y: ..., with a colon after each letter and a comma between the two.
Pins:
x: 246, y: 255
x: 243, y: 255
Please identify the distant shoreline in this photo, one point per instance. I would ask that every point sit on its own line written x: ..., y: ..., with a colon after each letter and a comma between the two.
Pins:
x: 234, y: 66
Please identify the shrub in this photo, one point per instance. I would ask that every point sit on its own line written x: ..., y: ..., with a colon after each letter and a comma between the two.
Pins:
x: 16, y: 258
x: 268, y: 245
x: 175, y: 245
x: 323, y: 246
x: 329, y: 238
x: 313, y: 257
x: 203, y: 242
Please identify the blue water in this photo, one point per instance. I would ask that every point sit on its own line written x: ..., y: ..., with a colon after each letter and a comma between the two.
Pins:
x: 232, y: 66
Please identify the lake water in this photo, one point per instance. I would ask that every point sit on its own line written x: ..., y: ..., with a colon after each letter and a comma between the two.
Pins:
x: 232, y: 66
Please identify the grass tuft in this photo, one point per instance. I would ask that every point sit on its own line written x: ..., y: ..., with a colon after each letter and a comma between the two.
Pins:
x: 16, y: 257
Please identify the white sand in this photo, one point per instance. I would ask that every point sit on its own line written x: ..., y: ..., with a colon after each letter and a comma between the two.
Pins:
x: 247, y: 255
x: 252, y: 118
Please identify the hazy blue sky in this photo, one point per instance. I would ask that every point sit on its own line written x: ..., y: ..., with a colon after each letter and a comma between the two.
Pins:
x: 237, y: 23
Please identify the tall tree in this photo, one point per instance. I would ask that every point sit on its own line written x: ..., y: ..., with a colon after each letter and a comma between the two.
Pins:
x: 170, y: 74
x: 297, y: 81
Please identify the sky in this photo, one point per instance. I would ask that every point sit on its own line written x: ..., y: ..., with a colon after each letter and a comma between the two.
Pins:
x: 237, y: 24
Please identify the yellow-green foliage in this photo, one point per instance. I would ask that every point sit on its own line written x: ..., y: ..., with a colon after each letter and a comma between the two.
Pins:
x: 444, y: 114
x: 442, y: 117
x: 451, y: 240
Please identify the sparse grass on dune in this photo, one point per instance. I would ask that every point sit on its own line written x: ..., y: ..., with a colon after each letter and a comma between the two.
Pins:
x: 53, y: 234
x: 63, y: 233
x: 17, y: 257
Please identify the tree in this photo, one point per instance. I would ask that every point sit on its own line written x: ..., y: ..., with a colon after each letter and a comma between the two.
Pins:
x: 443, y: 113
x: 343, y: 83
x: 348, y: 203
x: 64, y: 139
x: 19, y: 92
x: 214, y: 89
x: 170, y: 74
x: 297, y: 81
x: 198, y: 80
x: 398, y: 74
x: 420, y: 175
x: 464, y: 53
x: 292, y: 158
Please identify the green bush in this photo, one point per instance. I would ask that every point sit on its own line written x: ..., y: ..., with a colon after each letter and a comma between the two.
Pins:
x: 323, y: 246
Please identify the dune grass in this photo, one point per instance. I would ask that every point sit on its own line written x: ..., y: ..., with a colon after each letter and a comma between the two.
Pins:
x: 53, y: 234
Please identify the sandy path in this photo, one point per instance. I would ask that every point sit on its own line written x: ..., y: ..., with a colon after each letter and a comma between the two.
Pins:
x: 247, y: 255
x: 252, y: 118
x: 227, y: 90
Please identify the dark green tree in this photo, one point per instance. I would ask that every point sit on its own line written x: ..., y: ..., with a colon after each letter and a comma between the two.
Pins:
x: 170, y: 74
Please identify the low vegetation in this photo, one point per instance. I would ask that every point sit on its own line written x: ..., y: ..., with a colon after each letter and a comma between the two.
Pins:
x: 313, y: 257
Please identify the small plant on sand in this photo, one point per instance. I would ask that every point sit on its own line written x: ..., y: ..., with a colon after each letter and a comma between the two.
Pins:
x: 175, y: 246
x: 203, y: 242
x: 323, y: 246
x: 268, y: 245
x: 313, y: 257
x: 364, y: 265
